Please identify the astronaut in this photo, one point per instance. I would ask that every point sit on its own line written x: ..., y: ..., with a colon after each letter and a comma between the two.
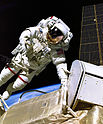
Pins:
x: 37, y: 47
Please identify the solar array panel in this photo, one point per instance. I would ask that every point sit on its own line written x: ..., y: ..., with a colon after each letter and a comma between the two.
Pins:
x: 91, y: 44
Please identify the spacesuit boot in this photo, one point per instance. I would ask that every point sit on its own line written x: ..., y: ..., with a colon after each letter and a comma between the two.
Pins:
x: 6, y: 95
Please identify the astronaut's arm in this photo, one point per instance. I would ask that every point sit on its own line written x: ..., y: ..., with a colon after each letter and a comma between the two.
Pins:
x: 60, y: 61
x: 25, y: 39
x: 24, y: 42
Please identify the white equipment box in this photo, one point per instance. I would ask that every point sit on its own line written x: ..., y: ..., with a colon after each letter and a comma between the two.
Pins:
x: 85, y: 84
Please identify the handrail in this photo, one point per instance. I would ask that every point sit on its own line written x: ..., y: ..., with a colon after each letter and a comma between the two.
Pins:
x: 30, y: 91
x: 4, y: 102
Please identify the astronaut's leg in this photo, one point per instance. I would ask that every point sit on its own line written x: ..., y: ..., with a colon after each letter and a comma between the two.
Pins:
x: 6, y: 74
x: 19, y: 84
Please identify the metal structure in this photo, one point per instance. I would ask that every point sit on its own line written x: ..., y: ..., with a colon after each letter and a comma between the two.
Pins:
x: 85, y: 84
x: 91, y: 42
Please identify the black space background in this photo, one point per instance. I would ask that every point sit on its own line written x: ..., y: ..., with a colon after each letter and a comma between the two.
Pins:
x: 16, y: 15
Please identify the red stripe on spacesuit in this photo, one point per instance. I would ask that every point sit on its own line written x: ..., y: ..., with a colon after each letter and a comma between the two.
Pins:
x: 51, y: 17
x: 11, y: 70
x: 22, y: 80
x: 18, y: 75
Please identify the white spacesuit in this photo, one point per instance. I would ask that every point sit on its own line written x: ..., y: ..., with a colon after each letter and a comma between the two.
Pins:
x: 38, y: 46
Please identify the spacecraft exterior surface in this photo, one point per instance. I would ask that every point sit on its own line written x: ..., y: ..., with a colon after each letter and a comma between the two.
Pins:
x: 85, y: 87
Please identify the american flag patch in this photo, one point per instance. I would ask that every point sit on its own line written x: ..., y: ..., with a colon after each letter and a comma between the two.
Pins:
x: 60, y: 51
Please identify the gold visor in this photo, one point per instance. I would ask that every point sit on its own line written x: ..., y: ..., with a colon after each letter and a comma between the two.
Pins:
x: 54, y: 40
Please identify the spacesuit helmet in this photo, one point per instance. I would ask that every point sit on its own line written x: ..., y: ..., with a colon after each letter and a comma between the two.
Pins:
x: 54, y: 35
x: 58, y: 30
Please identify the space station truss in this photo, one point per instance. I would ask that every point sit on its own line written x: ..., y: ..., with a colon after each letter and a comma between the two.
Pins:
x: 91, y: 42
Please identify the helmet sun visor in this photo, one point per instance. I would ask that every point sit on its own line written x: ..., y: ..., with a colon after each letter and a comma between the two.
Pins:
x: 54, y: 36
